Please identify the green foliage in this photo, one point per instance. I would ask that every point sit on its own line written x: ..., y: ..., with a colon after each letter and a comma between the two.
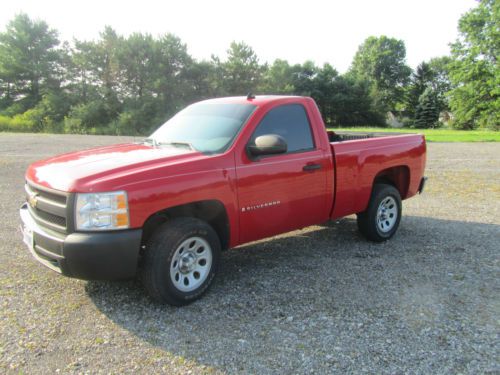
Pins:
x: 170, y: 84
x: 83, y: 118
x: 15, y: 108
x: 131, y: 85
x: 427, y: 111
x: 381, y: 62
x: 17, y: 123
x: 29, y: 61
x: 342, y: 99
x: 241, y: 72
x: 429, y: 78
x: 475, y: 70
x: 141, y: 118
x: 420, y: 81
x: 440, y: 82
x: 45, y: 116
x: 278, y: 78
x: 354, y: 105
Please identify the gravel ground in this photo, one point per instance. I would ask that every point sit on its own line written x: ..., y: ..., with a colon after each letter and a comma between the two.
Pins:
x: 318, y: 300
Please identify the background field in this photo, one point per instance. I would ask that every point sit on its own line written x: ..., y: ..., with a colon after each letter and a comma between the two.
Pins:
x: 318, y: 300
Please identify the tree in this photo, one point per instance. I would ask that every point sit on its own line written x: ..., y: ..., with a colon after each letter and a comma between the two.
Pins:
x: 427, y: 111
x: 304, y: 78
x: 343, y: 100
x: 151, y: 82
x: 440, y: 67
x: 353, y: 105
x: 381, y: 62
x: 475, y: 70
x: 241, y: 70
x: 420, y: 81
x: 201, y: 76
x: 29, y: 62
x: 324, y: 90
x: 137, y: 63
x: 278, y: 78
x: 97, y: 68
x: 173, y: 62
x: 432, y: 75
x: 130, y: 85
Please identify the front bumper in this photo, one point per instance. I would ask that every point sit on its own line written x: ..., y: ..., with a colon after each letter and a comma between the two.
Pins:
x: 87, y: 256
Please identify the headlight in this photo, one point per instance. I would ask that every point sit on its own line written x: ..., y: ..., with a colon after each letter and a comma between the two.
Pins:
x: 102, y: 211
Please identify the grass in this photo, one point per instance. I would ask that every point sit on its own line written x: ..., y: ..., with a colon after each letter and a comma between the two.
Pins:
x: 437, y: 135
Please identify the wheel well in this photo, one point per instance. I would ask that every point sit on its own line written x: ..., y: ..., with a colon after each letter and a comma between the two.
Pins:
x: 399, y: 177
x: 210, y: 211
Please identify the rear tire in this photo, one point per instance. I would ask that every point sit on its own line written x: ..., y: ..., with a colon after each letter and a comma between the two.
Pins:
x: 180, y: 261
x: 380, y: 220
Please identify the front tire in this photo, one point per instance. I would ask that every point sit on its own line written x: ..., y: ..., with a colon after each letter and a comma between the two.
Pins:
x: 180, y: 261
x: 380, y: 220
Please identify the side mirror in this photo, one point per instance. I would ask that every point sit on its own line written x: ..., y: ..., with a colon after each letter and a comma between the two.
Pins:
x: 269, y: 144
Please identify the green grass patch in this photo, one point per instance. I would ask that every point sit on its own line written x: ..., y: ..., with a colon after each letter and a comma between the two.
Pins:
x: 437, y: 135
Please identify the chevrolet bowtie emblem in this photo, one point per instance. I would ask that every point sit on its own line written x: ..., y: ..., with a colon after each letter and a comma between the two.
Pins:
x: 33, y: 200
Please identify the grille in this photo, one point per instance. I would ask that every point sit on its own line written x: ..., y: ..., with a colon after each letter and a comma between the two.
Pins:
x: 55, y: 197
x: 48, y: 208
x: 47, y: 216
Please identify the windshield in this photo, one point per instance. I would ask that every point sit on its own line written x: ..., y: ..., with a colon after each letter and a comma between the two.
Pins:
x: 207, y: 127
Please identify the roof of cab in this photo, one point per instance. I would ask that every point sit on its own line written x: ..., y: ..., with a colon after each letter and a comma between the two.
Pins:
x: 257, y: 100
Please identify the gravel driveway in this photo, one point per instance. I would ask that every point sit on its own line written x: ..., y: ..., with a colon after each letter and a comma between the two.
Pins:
x: 318, y: 300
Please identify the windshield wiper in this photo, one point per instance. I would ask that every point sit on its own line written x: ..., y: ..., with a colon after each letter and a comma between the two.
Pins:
x: 151, y: 140
x: 156, y: 143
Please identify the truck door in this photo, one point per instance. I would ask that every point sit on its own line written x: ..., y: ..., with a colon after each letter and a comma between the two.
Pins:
x: 280, y: 193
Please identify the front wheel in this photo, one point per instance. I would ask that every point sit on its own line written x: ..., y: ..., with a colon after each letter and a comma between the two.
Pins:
x: 180, y: 261
x: 380, y: 220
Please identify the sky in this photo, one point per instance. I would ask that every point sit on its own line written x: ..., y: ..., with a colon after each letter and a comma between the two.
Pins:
x: 328, y: 31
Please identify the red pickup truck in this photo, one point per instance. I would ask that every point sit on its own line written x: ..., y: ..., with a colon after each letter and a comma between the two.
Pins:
x: 218, y: 174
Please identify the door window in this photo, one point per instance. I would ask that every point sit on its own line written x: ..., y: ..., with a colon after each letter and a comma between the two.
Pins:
x: 289, y: 121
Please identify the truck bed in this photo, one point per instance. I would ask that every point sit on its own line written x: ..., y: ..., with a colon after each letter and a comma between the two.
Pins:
x: 362, y: 158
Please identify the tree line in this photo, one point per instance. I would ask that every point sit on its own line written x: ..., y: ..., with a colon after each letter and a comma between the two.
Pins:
x: 130, y: 85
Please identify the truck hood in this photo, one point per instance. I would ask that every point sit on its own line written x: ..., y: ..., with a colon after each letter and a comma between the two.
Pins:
x: 77, y: 170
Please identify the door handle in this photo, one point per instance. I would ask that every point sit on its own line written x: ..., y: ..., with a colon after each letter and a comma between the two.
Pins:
x: 311, y: 167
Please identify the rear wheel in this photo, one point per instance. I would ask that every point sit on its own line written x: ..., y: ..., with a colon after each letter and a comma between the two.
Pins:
x: 181, y: 261
x: 380, y: 220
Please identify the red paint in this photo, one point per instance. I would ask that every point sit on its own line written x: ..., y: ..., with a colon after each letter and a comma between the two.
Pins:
x: 359, y: 162
x: 261, y: 198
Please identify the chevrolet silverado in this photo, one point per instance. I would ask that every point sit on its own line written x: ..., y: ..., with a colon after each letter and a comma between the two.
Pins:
x: 220, y: 173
